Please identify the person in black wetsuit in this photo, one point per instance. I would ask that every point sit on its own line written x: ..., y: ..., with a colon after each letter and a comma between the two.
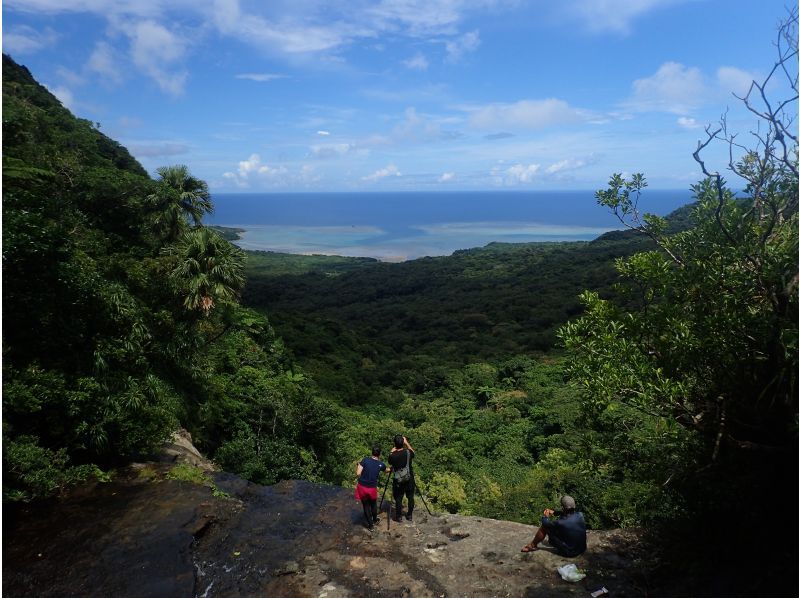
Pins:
x: 367, y: 472
x: 402, y: 476
x: 567, y: 533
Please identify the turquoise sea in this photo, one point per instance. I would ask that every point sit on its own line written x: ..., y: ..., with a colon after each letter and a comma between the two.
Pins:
x: 402, y: 226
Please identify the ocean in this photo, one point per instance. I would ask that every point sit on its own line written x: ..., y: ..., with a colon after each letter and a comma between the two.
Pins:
x: 408, y: 225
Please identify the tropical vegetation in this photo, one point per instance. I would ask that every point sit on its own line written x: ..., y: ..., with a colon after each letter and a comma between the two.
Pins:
x: 651, y: 373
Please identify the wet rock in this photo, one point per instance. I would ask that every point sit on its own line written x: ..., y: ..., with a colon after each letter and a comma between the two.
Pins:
x: 136, y: 537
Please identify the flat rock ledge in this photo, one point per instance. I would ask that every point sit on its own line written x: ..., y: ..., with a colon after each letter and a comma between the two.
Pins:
x: 149, y: 536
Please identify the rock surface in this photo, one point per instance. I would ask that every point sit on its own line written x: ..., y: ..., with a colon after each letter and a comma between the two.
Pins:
x: 145, y: 535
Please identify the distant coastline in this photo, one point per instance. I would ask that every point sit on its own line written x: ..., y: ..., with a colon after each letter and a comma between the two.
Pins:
x: 397, y: 227
x: 229, y: 233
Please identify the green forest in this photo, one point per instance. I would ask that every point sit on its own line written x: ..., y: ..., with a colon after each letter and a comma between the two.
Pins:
x: 650, y: 373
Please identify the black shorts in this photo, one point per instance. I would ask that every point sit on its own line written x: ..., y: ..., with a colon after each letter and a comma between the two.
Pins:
x: 560, y: 546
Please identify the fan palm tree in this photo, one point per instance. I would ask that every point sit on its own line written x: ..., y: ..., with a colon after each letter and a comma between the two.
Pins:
x: 210, y: 269
x: 180, y: 197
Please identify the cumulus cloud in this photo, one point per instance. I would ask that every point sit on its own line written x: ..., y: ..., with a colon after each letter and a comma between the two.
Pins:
x: 418, y: 62
x: 456, y: 48
x: 323, y: 133
x: 254, y: 166
x: 673, y: 88
x: 525, y: 114
x: 519, y: 173
x: 688, y: 123
x: 447, y: 176
x: 22, y: 40
x: 390, y: 170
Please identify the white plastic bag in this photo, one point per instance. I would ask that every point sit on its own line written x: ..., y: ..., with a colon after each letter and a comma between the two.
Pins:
x: 571, y: 572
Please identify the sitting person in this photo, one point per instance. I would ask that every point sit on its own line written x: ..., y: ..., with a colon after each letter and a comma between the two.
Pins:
x: 567, y: 534
x: 368, y: 471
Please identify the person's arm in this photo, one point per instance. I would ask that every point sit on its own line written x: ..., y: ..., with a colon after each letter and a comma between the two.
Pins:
x: 359, y: 469
x: 407, y: 444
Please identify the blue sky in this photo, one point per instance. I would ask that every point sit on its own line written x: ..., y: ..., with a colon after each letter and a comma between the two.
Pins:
x: 330, y: 95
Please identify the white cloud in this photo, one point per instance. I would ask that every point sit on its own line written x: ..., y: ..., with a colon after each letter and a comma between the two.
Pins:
x: 287, y: 36
x: 270, y: 172
x: 688, y: 123
x: 235, y: 180
x: 612, y: 15
x: 260, y: 77
x: 154, y: 50
x: 565, y: 165
x: 249, y: 165
x: 416, y: 17
x: 104, y: 62
x: 22, y: 40
x: 65, y: 96
x: 335, y: 150
x: 308, y: 175
x: 323, y: 133
x: 525, y: 114
x: 733, y: 80
x: 390, y: 170
x: 254, y: 166
x: 70, y: 77
x: 468, y: 42
x: 673, y: 88
x: 519, y: 173
x: 418, y: 62
x: 447, y: 176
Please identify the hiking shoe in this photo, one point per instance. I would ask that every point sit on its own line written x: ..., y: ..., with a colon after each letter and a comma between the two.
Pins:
x: 376, y: 521
x: 408, y: 517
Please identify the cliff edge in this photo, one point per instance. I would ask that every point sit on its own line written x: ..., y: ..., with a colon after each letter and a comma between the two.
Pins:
x: 146, y: 535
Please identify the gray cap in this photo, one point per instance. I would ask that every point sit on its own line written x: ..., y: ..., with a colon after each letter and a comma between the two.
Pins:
x: 567, y: 502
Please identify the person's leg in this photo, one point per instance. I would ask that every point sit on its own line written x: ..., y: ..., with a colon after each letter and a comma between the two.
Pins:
x: 541, y: 534
x: 410, y: 497
x: 373, y: 504
x: 397, y: 494
x: 367, y: 511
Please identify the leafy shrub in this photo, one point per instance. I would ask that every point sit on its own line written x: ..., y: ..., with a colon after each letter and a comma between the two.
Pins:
x: 33, y: 471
